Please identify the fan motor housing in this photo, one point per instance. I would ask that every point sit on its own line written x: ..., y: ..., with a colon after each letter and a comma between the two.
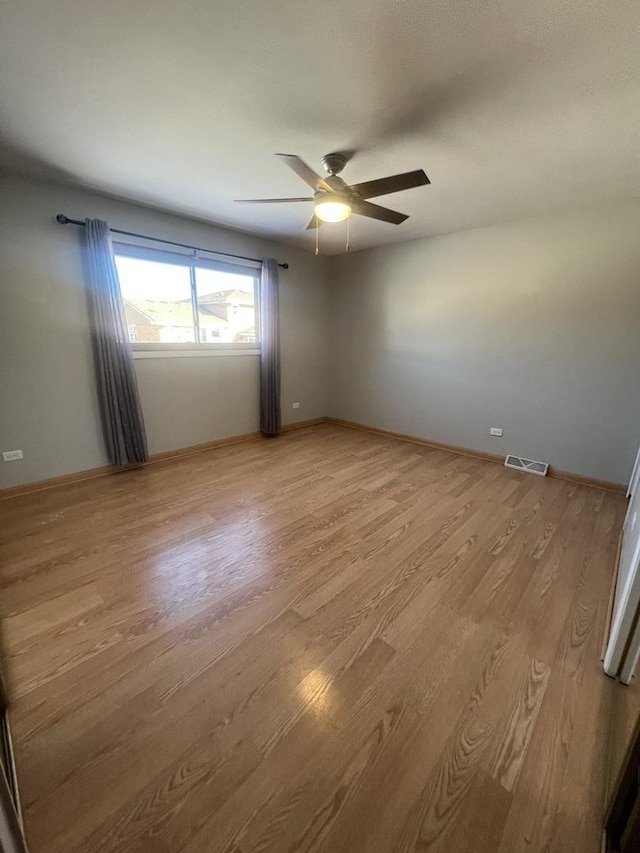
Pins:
x: 334, y: 163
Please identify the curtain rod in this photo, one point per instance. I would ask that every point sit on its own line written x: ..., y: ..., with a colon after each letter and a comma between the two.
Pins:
x: 64, y: 220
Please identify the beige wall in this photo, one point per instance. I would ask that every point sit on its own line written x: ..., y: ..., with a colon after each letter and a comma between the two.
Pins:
x: 533, y: 326
x: 48, y: 405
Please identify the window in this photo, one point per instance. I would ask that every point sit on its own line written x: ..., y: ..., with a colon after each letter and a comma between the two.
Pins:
x: 178, y: 299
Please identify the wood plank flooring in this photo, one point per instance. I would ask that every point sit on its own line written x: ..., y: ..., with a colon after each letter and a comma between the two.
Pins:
x: 329, y: 642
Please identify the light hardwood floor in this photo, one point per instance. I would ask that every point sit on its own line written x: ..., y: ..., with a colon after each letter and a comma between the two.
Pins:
x: 328, y: 642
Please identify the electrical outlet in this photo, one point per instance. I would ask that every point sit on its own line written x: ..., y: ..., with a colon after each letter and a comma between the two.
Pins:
x: 11, y: 455
x: 296, y: 406
x: 495, y: 431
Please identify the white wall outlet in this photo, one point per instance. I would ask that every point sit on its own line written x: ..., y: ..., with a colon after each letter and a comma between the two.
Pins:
x: 496, y: 431
x: 296, y: 406
x: 11, y: 455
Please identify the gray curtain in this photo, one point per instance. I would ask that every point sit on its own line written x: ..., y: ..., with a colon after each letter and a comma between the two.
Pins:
x: 122, y: 419
x: 269, y: 349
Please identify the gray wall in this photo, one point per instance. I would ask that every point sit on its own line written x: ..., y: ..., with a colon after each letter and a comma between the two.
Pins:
x: 531, y: 326
x: 48, y: 406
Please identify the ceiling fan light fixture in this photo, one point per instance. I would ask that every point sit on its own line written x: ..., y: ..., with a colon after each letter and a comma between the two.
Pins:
x: 332, y: 208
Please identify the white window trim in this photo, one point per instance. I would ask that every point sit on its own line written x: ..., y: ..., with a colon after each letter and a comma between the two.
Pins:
x: 182, y: 252
x: 203, y: 351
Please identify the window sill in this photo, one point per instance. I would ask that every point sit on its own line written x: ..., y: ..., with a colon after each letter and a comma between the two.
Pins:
x: 194, y: 353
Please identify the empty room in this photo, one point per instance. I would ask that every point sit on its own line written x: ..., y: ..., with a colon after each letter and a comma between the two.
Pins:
x: 320, y: 426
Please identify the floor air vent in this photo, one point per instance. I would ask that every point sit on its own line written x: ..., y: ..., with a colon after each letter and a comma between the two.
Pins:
x: 530, y: 465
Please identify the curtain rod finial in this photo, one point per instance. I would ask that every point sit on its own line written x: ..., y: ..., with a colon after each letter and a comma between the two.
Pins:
x: 62, y: 219
x: 284, y: 266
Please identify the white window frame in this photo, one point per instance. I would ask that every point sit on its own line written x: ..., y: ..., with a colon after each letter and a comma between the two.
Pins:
x: 193, y: 259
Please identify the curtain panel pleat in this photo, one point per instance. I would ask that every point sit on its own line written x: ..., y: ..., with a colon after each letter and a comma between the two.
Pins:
x: 270, y: 421
x: 122, y: 419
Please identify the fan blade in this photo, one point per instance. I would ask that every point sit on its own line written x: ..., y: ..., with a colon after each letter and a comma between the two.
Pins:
x: 314, y: 222
x: 305, y: 172
x: 374, y: 211
x: 392, y: 184
x: 270, y: 200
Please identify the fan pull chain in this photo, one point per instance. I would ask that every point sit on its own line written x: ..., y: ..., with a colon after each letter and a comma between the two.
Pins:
x: 348, y: 246
x: 317, y: 234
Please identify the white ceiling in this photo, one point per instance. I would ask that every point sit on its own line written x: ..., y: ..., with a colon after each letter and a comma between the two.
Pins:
x: 512, y: 107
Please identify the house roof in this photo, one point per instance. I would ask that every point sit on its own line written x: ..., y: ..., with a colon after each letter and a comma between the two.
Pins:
x: 160, y: 313
x: 226, y: 297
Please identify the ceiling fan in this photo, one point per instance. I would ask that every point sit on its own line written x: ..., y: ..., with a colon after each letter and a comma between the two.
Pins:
x: 334, y: 200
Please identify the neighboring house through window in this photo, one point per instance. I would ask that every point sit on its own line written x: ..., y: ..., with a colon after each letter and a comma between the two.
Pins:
x: 180, y: 299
